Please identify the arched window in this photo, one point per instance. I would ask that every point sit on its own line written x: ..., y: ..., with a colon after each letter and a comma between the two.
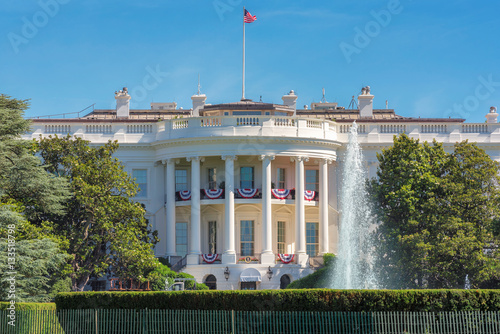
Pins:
x: 284, y: 281
x: 211, y: 282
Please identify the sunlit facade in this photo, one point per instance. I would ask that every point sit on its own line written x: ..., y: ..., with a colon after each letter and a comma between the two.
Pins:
x: 244, y: 195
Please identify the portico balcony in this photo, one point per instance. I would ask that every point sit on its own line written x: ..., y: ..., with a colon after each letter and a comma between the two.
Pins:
x: 277, y: 194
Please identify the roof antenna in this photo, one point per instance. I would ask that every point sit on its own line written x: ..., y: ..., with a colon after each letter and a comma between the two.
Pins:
x: 199, y: 86
x: 323, y: 100
x: 353, y: 104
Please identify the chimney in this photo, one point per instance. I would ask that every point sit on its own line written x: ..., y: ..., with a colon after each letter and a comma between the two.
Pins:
x: 122, y: 103
x: 198, y: 103
x: 365, y: 102
x: 290, y: 100
x: 491, y: 117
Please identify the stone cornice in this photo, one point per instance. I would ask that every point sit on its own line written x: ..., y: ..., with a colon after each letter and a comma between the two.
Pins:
x: 246, y: 139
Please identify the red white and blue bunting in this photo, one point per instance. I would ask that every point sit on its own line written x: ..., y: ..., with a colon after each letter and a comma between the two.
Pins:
x: 309, y: 194
x: 210, y: 258
x: 280, y: 193
x: 286, y: 258
x: 185, y: 195
x: 247, y: 193
x: 213, y: 193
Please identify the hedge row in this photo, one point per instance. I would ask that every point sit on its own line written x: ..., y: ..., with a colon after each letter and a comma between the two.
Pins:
x: 29, y: 306
x: 289, y: 300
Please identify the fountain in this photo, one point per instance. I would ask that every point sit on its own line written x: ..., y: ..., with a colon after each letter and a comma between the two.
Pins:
x: 353, y: 267
x: 467, y: 282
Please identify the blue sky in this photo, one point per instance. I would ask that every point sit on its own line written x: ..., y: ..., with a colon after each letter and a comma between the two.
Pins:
x: 427, y: 58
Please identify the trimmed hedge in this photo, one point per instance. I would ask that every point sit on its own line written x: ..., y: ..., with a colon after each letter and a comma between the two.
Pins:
x: 288, y: 300
x: 29, y: 306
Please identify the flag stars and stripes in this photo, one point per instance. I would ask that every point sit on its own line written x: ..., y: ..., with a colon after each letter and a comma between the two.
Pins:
x: 249, y: 18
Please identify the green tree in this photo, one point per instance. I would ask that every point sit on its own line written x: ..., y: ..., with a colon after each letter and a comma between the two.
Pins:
x: 435, y: 213
x: 22, y: 177
x: 107, y: 231
x: 39, y: 264
x: 27, y: 192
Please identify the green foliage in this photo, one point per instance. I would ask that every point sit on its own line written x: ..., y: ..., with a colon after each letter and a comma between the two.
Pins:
x: 161, y: 273
x: 107, y: 231
x: 328, y: 259
x: 38, y: 263
x: 320, y: 278
x: 29, y: 306
x: 27, y: 194
x: 315, y: 300
x: 62, y: 285
x: 21, y: 176
x: 436, y: 212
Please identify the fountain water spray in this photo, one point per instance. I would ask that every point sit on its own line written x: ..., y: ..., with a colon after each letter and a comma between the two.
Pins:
x: 353, y: 267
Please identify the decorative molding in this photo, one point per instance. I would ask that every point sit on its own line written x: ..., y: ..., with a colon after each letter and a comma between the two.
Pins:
x: 237, y: 140
x: 230, y: 157
x: 299, y: 158
x: 195, y: 158
x: 170, y: 160
x: 263, y: 157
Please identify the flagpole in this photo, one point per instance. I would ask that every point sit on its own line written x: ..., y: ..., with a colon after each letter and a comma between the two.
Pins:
x: 243, y: 76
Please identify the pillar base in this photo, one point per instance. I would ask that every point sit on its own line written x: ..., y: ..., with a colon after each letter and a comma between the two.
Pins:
x: 228, y: 258
x: 302, y: 259
x: 267, y: 258
x: 193, y: 259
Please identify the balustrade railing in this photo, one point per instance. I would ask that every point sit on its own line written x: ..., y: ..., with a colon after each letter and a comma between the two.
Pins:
x: 475, y: 128
x: 62, y: 129
x: 140, y: 128
x: 434, y: 128
x: 313, y: 128
x: 276, y: 194
x: 241, y: 121
x: 98, y: 128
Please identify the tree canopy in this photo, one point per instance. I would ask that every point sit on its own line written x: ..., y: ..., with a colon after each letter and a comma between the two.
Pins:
x: 69, y: 208
x: 436, y: 214
x: 27, y: 192
x: 105, y: 228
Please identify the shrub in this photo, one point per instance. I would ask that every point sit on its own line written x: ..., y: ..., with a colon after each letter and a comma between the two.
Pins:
x: 315, y: 300
x: 319, y: 279
x: 162, y: 272
x: 29, y: 306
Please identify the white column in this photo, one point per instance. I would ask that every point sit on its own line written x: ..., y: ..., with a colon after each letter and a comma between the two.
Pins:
x: 267, y: 256
x: 323, y: 205
x: 300, y: 222
x: 195, y: 245
x: 170, y: 206
x: 229, y: 255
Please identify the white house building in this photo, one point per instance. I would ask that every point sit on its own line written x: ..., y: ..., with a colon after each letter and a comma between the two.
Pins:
x: 244, y: 195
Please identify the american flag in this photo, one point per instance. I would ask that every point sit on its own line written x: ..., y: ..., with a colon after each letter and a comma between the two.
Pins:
x: 248, y: 18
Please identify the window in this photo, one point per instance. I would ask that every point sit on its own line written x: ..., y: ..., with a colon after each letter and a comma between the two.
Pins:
x: 248, y: 286
x: 212, y: 237
x: 312, y: 179
x: 284, y: 281
x: 141, y: 177
x: 246, y: 177
x: 281, y: 178
x: 247, y: 113
x: 211, y: 282
x: 212, y: 178
x: 246, y: 237
x: 281, y: 238
x: 181, y: 180
x: 181, y: 239
x: 312, y: 239
x: 226, y: 113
